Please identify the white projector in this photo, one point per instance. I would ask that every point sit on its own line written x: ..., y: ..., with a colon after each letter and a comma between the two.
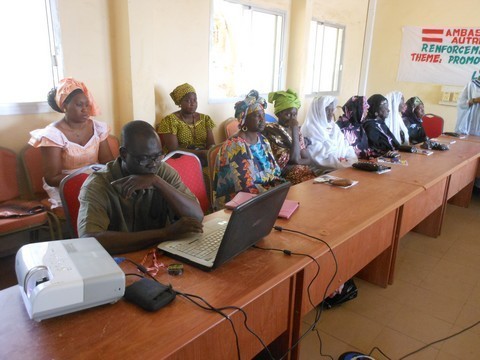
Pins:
x: 64, y: 276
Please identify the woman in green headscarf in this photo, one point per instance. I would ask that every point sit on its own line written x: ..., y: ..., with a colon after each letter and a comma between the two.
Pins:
x: 287, y: 142
x: 187, y: 129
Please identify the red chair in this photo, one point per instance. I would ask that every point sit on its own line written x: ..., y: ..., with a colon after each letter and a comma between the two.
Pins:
x: 69, y: 190
x: 433, y: 125
x: 189, y: 168
x: 10, y: 200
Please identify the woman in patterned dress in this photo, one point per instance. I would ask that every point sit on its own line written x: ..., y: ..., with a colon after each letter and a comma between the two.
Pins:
x: 354, y: 114
x: 186, y: 129
x: 245, y: 161
x: 286, y: 140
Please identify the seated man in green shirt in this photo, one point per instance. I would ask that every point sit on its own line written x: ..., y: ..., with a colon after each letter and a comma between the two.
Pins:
x: 137, y: 200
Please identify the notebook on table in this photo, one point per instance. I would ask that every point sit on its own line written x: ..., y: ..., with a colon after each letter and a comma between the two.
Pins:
x: 287, y: 210
x: 222, y: 240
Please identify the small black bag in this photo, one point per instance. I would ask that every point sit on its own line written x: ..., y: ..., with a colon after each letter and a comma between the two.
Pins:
x: 348, y: 292
x: 407, y: 148
x: 149, y: 295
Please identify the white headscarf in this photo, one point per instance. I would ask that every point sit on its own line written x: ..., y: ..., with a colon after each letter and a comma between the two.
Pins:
x: 326, y: 147
x: 394, y: 119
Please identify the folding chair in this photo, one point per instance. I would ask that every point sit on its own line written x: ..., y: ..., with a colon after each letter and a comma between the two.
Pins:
x: 114, y: 145
x: 32, y: 163
x: 270, y: 119
x: 10, y: 198
x: 433, y: 125
x: 211, y: 158
x: 69, y: 190
x: 189, y: 168
x: 231, y: 127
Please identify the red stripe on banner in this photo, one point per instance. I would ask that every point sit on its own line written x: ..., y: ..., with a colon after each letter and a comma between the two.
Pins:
x: 428, y: 39
x: 432, y: 31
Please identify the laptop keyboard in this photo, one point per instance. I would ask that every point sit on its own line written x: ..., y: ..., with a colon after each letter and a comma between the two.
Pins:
x: 205, y: 248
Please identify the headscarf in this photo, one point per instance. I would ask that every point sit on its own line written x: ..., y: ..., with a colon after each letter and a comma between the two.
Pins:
x: 412, y: 104
x: 354, y: 110
x: 180, y: 91
x: 252, y: 102
x: 66, y: 86
x: 375, y: 101
x: 394, y: 120
x: 283, y: 100
x: 326, y: 147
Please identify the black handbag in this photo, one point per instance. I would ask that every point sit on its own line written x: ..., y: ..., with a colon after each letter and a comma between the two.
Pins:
x: 348, y: 292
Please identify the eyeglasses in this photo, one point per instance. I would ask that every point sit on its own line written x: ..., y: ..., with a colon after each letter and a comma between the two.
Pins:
x: 144, y: 160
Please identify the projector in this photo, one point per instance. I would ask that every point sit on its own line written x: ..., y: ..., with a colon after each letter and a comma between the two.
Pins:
x: 64, y: 276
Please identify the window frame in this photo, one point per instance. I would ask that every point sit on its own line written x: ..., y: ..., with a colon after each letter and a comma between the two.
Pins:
x: 278, y: 76
x: 57, y: 68
x: 338, y: 56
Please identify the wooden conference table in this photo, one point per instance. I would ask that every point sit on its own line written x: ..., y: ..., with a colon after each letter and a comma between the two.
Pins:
x: 361, y: 224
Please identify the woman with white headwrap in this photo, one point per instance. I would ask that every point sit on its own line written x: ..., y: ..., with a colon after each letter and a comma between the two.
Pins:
x: 328, y: 147
x: 394, y: 121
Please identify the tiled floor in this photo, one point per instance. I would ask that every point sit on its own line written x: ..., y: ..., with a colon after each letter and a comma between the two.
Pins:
x: 436, y: 293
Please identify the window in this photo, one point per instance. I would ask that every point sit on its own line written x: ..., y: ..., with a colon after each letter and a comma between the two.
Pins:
x: 324, y: 58
x: 245, y: 50
x: 31, y: 59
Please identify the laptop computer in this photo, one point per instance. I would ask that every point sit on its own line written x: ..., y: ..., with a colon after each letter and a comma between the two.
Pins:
x: 222, y: 240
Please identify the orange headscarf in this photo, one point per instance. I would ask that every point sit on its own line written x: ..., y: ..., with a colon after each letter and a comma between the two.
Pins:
x: 67, y: 86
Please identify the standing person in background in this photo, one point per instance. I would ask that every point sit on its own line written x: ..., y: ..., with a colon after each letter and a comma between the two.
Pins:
x: 394, y: 121
x: 380, y: 138
x: 72, y: 142
x: 245, y: 161
x: 468, y: 109
x: 351, y: 123
x: 186, y: 129
x: 285, y: 138
x: 412, y: 117
x: 327, y: 145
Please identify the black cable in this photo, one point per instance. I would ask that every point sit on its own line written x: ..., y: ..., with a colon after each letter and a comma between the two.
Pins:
x: 440, y: 340
x: 209, y: 307
x: 312, y: 327
x: 319, y: 309
x: 133, y: 274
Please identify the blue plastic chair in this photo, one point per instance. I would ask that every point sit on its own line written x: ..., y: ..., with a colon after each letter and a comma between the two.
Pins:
x: 269, y: 118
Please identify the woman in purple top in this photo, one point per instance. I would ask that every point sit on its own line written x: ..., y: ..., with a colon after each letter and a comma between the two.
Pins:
x: 380, y: 138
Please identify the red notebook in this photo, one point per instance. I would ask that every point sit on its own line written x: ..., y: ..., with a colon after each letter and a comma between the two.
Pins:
x: 288, y: 207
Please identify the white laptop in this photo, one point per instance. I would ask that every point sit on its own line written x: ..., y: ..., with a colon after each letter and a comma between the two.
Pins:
x: 222, y: 240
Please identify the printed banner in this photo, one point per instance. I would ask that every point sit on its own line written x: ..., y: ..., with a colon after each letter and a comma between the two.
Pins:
x: 447, y: 56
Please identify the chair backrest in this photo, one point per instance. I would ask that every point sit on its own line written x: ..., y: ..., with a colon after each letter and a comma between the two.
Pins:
x: 189, y: 168
x: 211, y: 158
x: 433, y: 125
x: 70, y: 189
x: 270, y: 119
x: 8, y: 175
x: 32, y: 162
x: 231, y: 127
x: 114, y: 145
